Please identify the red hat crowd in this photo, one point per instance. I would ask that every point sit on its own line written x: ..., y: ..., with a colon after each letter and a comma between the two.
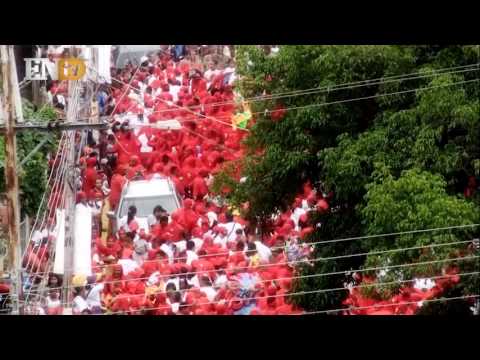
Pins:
x: 194, y: 260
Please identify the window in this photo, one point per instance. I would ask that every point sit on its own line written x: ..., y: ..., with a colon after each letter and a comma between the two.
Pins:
x: 146, y: 205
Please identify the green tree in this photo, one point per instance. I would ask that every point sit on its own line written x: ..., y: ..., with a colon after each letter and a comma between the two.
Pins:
x: 355, y: 148
x: 416, y: 200
x: 33, y: 174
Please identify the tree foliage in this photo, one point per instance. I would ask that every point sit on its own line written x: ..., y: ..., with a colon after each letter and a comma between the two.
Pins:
x: 394, y: 162
x: 33, y: 174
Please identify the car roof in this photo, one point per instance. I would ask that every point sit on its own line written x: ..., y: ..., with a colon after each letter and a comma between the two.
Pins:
x: 134, y: 53
x: 149, y: 188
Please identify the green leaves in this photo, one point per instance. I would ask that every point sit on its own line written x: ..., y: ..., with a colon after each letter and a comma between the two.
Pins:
x: 417, y: 200
x: 33, y: 175
x: 394, y: 163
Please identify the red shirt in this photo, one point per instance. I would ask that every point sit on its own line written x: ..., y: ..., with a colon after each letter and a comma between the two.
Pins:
x: 199, y: 86
x: 200, y: 188
x: 90, y: 179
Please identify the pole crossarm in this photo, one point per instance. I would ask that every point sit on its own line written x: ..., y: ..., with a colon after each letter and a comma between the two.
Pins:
x: 57, y: 126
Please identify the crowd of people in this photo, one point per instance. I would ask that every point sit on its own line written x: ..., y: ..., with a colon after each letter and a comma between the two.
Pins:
x: 202, y: 258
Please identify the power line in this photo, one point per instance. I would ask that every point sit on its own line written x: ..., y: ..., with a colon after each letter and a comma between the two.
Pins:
x: 387, y: 267
x: 173, y: 104
x: 348, y: 85
x: 447, y: 276
x: 323, y: 104
x: 366, y: 97
x: 56, y: 195
x: 354, y: 85
x: 254, y: 298
x: 341, y: 240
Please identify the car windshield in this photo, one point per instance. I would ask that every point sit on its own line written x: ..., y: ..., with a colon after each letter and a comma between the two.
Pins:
x: 145, y: 205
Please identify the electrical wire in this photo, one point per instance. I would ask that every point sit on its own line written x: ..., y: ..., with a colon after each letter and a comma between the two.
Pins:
x: 366, y: 97
x: 55, y: 192
x: 58, y: 186
x: 349, y: 86
x: 217, y: 255
x: 125, y: 93
x: 303, y: 261
x: 257, y: 297
x: 173, y: 104
x: 52, y: 190
x: 344, y: 288
x: 339, y: 240
x: 319, y: 104
x: 47, y: 186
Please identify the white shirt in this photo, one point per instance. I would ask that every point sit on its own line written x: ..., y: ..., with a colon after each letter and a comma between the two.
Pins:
x: 93, y: 297
x: 52, y: 69
x: 232, y: 227
x: 154, y: 279
x: 79, y: 305
x: 167, y: 250
x: 51, y: 304
x: 128, y: 265
x: 296, y: 215
x: 151, y: 79
x: 191, y: 256
x: 264, y: 251
x: 212, y: 216
x: 221, y: 281
x: 220, y: 240
x: 174, y: 90
x: 305, y: 205
x: 198, y: 243
x: 230, y: 70
x: 209, y: 291
x: 151, y: 220
x: 181, y: 245
x: 210, y: 74
x: 194, y: 281
x: 123, y: 222
x: 424, y: 284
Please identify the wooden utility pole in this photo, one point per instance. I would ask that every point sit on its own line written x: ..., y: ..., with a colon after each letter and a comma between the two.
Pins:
x: 11, y: 180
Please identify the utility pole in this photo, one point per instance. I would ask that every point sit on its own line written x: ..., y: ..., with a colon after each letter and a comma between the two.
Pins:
x: 11, y: 180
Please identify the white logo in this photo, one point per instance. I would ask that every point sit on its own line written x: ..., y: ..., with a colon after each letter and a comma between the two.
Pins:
x: 36, y: 69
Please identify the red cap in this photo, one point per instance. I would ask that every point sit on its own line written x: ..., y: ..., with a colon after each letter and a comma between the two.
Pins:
x: 305, y: 232
x: 188, y: 203
x: 197, y: 232
x: 133, y: 226
x: 222, y: 218
x: 81, y: 196
x: 303, y: 218
x: 322, y: 205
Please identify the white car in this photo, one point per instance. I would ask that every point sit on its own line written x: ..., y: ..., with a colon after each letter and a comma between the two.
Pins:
x: 145, y: 195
